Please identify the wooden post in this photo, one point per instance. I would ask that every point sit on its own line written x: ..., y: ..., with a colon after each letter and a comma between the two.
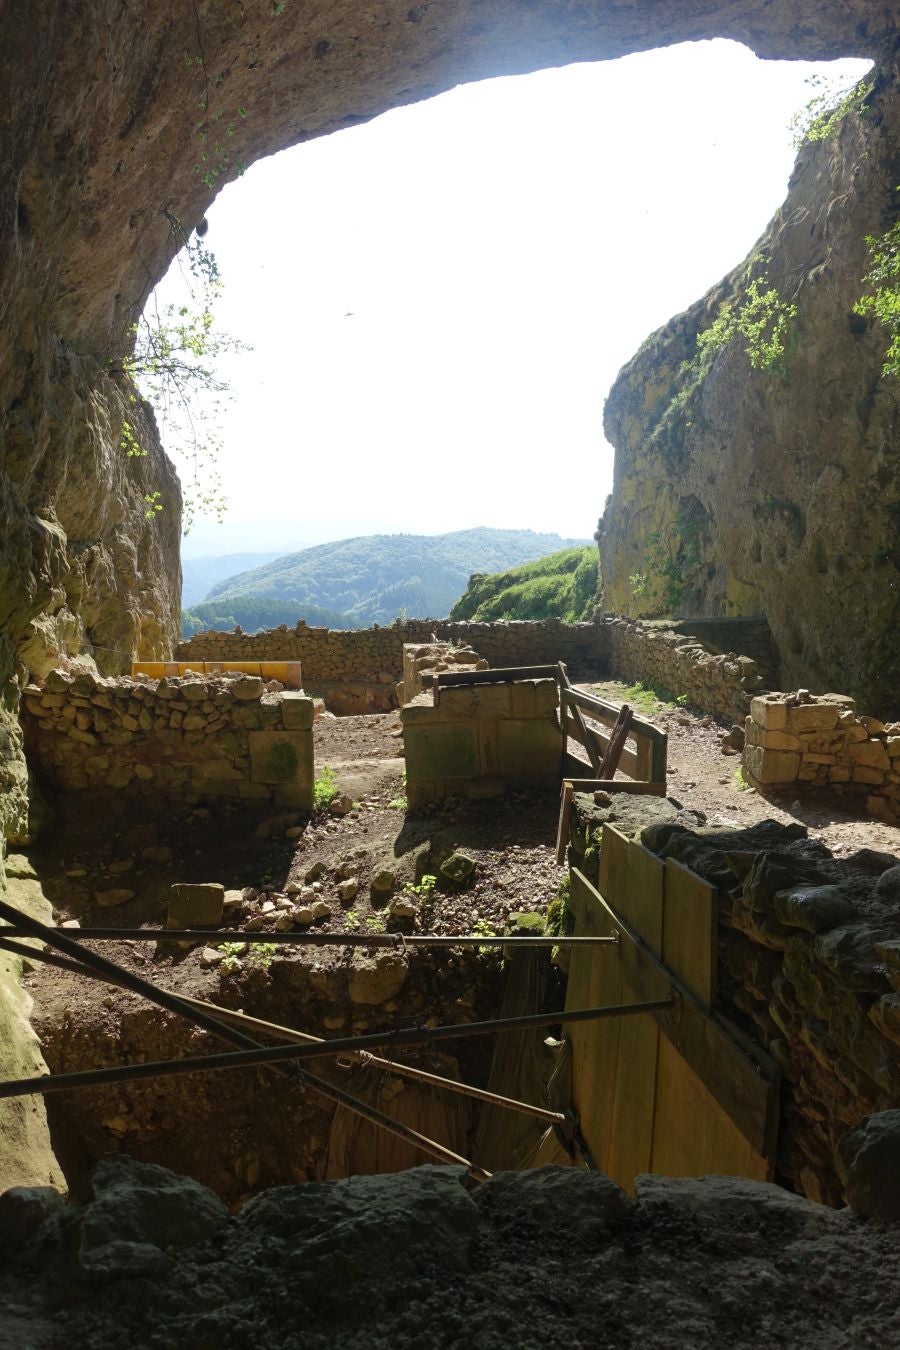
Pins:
x: 562, y: 833
x: 616, y: 743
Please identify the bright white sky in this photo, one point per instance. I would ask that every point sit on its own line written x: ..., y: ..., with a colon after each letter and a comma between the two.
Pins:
x: 439, y: 300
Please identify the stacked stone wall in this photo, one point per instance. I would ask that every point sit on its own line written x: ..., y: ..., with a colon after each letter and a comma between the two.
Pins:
x: 721, y: 684
x: 480, y: 740
x: 804, y: 741
x: 171, y: 741
x: 369, y: 661
x: 357, y: 670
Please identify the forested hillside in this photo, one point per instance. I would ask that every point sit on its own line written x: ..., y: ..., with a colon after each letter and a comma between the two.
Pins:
x: 562, y: 586
x: 357, y: 582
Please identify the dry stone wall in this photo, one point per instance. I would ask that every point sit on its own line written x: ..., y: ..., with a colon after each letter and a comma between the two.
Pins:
x: 803, y: 741
x: 721, y: 684
x: 172, y: 741
x: 355, y: 670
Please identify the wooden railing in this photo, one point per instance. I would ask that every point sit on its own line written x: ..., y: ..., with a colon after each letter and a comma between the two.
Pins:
x: 643, y: 760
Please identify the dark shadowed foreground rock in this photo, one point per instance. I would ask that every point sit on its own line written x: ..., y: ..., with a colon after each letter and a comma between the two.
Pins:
x: 416, y: 1260
x: 871, y: 1158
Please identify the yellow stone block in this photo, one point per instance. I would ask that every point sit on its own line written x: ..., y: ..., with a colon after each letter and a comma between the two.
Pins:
x: 769, y: 714
x: 862, y: 773
x: 871, y: 753
x: 813, y: 717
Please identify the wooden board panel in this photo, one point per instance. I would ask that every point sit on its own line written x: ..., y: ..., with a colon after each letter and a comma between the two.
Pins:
x: 634, y: 1102
x: 746, y: 1088
x: 693, y: 1136
x: 689, y: 930
x: 594, y: 981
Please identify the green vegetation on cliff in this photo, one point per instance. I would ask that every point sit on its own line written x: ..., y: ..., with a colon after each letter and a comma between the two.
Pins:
x: 562, y: 586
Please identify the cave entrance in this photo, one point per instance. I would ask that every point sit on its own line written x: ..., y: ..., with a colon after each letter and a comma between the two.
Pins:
x: 438, y: 299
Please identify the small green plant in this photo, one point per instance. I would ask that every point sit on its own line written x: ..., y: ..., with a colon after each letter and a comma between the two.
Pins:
x: 351, y: 918
x: 261, y: 954
x: 640, y: 585
x: 760, y: 316
x: 424, y: 890
x: 375, y: 923
x: 883, y: 300
x: 325, y: 788
x: 740, y: 779
x: 558, y: 909
x: 232, y: 949
x: 400, y: 803
x: 827, y: 108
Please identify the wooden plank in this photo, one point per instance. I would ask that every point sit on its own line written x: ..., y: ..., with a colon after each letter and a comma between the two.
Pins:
x: 562, y: 832
x: 689, y: 930
x: 658, y: 759
x: 608, y: 712
x: 693, y: 1135
x: 616, y: 743
x: 634, y: 1104
x: 447, y: 679
x: 629, y: 761
x: 582, y: 735
x: 747, y: 1089
x: 595, y: 980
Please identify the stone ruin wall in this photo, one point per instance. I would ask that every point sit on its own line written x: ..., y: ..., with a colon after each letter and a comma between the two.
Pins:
x: 180, y: 742
x: 805, y: 742
x: 481, y: 740
x: 808, y: 966
x: 721, y: 684
x: 355, y: 670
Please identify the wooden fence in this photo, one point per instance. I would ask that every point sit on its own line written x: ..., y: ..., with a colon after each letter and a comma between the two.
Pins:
x: 643, y: 760
x: 680, y: 1091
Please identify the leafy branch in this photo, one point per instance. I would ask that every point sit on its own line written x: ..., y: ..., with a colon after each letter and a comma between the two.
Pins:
x: 175, y: 350
x: 883, y: 302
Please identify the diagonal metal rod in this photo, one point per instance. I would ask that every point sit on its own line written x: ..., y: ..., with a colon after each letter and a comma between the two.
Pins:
x: 312, y: 939
x: 291, y: 1033
x: 275, y: 1054
x: 54, y: 937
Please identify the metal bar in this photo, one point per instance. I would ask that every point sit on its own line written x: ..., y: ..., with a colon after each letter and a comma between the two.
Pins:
x: 392, y: 1066
x: 172, y: 1003
x: 275, y: 1054
x: 305, y: 939
x: 291, y: 1033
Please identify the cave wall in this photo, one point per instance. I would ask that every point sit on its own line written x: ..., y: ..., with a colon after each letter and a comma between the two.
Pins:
x: 110, y: 109
x: 786, y: 481
x: 103, y: 106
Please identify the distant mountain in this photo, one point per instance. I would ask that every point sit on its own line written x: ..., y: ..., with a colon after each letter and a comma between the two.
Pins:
x: 198, y: 574
x: 374, y: 578
x: 561, y: 586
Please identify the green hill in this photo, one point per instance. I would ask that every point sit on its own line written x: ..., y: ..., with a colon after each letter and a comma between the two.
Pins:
x: 371, y: 579
x: 562, y: 586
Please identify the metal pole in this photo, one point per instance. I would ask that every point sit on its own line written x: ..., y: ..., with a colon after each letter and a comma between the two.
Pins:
x: 400, y: 940
x: 172, y: 1003
x: 290, y: 1033
x: 275, y: 1054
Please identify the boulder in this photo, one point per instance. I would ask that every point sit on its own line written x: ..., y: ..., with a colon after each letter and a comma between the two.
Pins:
x: 870, y: 1164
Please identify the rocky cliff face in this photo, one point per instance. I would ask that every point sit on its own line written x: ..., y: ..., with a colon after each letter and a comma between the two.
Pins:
x: 777, y: 492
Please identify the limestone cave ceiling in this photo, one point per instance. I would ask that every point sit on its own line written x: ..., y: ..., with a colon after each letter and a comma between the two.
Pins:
x: 109, y: 99
x: 121, y: 122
